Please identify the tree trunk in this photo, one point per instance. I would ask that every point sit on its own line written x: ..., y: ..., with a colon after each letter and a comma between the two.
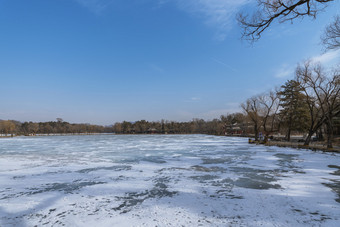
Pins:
x: 289, y: 127
x: 309, y: 137
x: 256, y: 133
x: 329, y: 135
x: 288, y: 134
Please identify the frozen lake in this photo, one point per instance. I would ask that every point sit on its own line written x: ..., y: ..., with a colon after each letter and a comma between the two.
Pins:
x: 164, y: 180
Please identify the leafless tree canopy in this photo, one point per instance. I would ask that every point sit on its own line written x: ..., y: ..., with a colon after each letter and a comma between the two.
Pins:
x: 277, y: 10
x: 331, y: 38
x: 322, y: 93
x: 262, y: 110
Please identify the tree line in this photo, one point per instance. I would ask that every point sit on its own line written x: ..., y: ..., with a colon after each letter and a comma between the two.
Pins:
x: 308, y: 104
x: 196, y: 126
x: 12, y: 127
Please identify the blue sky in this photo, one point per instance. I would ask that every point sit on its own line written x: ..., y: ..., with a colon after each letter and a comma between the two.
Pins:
x: 96, y: 61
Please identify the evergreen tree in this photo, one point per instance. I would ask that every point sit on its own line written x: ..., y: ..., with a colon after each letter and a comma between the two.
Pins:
x: 294, y: 113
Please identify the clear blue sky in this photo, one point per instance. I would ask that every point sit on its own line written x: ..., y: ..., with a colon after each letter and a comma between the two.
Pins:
x: 96, y: 61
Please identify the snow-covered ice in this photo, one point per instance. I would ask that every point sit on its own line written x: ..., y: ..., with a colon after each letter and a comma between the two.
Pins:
x: 164, y: 180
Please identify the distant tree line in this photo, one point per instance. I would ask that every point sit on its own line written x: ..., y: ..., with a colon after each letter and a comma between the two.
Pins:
x: 196, y: 126
x: 11, y: 128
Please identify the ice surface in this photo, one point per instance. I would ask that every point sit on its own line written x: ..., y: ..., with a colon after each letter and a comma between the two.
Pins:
x: 164, y: 180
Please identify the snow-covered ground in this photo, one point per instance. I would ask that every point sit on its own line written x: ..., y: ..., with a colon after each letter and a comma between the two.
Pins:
x: 164, y: 180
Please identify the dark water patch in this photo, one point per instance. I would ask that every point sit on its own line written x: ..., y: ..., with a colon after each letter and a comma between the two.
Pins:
x: 313, y: 216
x: 226, y: 189
x: 67, y: 188
x: 171, y: 169
x: 254, y: 181
x: 130, y: 200
x: 63, y: 187
x: 128, y: 161
x: 51, y: 210
x: 112, y: 168
x: 226, y: 181
x: 252, y: 171
x: 119, y: 178
x: 162, y: 180
x: 246, y: 182
x: 316, y: 216
x: 223, y: 189
x: 335, y: 186
x: 337, y: 172
x: 298, y: 170
x: 226, y: 194
x: 242, y: 149
x: 286, y: 157
x: 4, y: 193
x: 153, y: 159
x: 226, y: 184
x: 270, y: 149
x: 223, y: 160
x: 18, y: 177
x: 204, y: 178
x: 12, y: 195
x: 269, y: 173
x: 133, y: 199
x: 208, y: 169
x: 301, y: 212
x: 229, y: 158
x: 246, y: 170
x: 160, y: 190
x: 256, y: 178
x: 287, y: 160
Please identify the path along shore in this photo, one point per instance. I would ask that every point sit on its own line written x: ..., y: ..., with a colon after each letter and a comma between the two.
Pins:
x: 300, y: 145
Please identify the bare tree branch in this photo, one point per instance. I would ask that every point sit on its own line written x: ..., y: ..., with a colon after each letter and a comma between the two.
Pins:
x: 322, y: 96
x: 331, y: 37
x: 277, y: 10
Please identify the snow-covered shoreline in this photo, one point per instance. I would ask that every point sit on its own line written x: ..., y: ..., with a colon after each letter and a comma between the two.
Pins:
x: 164, y: 180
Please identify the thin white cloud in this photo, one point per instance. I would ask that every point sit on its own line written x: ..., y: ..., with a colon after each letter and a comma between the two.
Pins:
x: 222, y: 63
x: 194, y: 99
x: 156, y: 68
x: 328, y: 57
x: 284, y: 71
x: 219, y: 14
x: 95, y: 6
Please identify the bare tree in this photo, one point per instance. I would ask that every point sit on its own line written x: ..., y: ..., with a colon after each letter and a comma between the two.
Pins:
x: 252, y: 108
x: 269, y: 107
x: 281, y: 11
x: 322, y: 96
x: 331, y: 37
